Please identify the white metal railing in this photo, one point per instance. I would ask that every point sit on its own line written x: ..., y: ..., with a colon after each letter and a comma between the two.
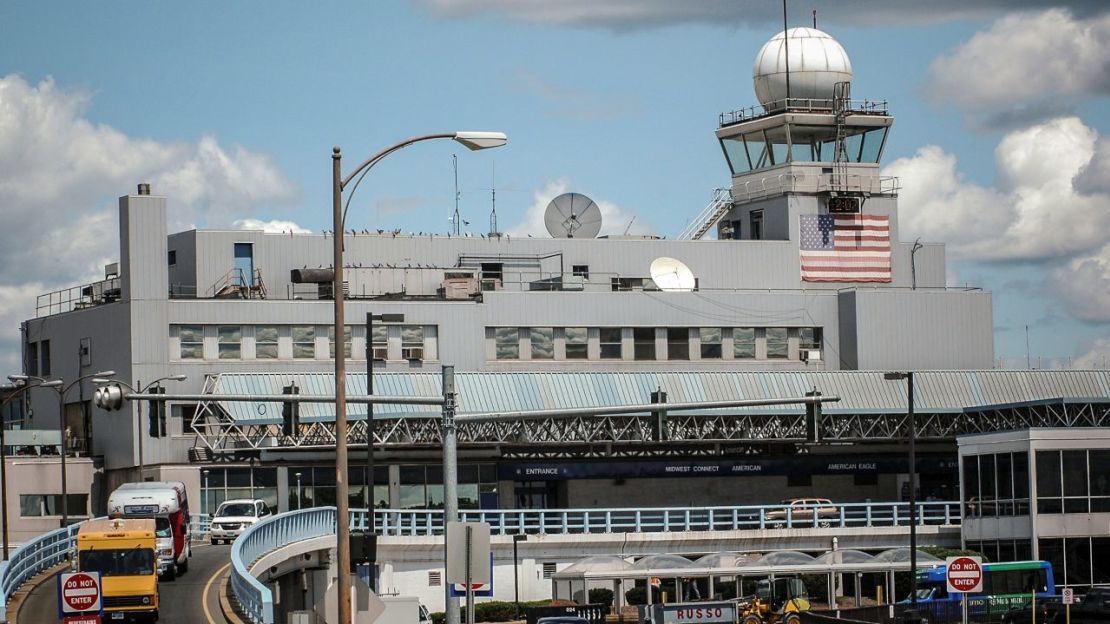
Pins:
x: 773, y: 185
x: 717, y: 207
x: 415, y: 522
x: 803, y: 105
x: 255, y: 599
x: 32, y: 558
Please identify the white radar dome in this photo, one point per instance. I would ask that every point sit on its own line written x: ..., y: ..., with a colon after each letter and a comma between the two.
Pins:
x: 817, y: 62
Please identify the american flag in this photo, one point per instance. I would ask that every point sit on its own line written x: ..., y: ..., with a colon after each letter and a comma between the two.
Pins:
x: 845, y: 248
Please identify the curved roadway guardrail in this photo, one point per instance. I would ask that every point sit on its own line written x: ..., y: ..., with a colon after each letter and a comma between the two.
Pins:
x: 255, y: 599
x: 33, y: 557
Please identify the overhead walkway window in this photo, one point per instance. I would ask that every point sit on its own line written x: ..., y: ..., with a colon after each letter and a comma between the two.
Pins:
x: 577, y: 343
x: 304, y: 342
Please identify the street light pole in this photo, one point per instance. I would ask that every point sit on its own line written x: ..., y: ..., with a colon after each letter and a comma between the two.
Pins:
x: 911, y: 615
x: 516, y: 583
x: 372, y: 531
x: 472, y: 140
x: 450, y: 480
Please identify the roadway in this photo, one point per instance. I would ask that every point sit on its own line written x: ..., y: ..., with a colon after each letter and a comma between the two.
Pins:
x: 192, y: 598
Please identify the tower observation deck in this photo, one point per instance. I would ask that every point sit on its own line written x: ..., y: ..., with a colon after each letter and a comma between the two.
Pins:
x: 806, y: 138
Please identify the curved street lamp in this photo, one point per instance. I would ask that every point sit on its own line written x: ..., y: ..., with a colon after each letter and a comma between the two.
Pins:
x: 473, y: 141
x: 61, y: 388
x: 103, y: 381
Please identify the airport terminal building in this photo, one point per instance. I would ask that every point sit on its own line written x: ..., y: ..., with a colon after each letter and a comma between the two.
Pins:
x: 806, y: 285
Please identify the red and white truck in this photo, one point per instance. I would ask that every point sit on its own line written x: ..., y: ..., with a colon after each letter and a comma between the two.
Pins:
x: 167, y: 503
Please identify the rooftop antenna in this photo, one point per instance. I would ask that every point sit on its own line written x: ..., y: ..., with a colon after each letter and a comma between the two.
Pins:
x: 455, y: 218
x: 627, y: 229
x: 493, y: 202
x: 786, y: 50
x: 814, y: 19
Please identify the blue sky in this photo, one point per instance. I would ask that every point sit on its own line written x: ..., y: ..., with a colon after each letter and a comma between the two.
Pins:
x: 236, y: 107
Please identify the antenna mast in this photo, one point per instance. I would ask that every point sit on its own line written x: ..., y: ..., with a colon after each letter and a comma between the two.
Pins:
x: 493, y: 202
x: 455, y: 218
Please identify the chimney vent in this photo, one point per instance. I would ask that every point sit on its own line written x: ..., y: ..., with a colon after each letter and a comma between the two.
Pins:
x: 144, y: 188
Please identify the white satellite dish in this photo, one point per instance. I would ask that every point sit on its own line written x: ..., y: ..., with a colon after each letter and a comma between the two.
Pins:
x: 572, y: 215
x: 672, y: 275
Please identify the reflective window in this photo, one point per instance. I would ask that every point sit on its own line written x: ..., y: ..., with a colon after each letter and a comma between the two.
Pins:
x: 852, y: 145
x: 1075, y: 481
x: 643, y: 339
x: 777, y: 343
x: 192, y: 342
x: 304, y: 342
x: 577, y: 339
x: 1048, y: 482
x: 1100, y: 482
x: 776, y: 138
x: 872, y: 145
x: 610, y: 343
x: 412, y: 342
x: 266, y: 342
x: 710, y: 343
x: 543, y: 343
x: 737, y: 155
x: 809, y: 338
x: 743, y: 342
x: 230, y: 339
x: 346, y: 342
x: 379, y: 342
x: 678, y: 343
x: 507, y: 343
x: 757, y: 150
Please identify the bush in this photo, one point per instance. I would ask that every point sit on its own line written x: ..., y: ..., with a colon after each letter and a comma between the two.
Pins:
x: 636, y: 596
x: 492, y: 611
x: 601, y: 595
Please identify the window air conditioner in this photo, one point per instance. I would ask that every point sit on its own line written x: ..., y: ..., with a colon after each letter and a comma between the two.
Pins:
x: 412, y: 353
x: 380, y: 353
x: 810, y: 355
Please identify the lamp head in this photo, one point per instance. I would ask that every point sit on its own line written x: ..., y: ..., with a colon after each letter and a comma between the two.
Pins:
x: 107, y: 373
x: 19, y: 380
x: 53, y: 383
x: 177, y: 377
x: 481, y: 140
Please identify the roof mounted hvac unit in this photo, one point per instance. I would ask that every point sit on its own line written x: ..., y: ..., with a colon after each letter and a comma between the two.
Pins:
x: 810, y: 355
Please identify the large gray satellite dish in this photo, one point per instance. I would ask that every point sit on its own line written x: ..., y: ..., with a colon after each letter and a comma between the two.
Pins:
x: 672, y: 275
x: 572, y: 215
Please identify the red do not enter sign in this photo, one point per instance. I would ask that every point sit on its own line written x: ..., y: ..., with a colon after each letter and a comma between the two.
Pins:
x: 79, y: 592
x: 965, y: 574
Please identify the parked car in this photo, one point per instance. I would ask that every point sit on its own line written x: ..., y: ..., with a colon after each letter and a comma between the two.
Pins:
x: 234, y: 516
x: 803, y: 511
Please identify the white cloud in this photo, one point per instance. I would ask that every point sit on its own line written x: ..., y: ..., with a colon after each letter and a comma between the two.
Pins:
x: 273, y: 226
x: 1025, y: 60
x: 622, y: 14
x: 1034, y: 211
x: 1084, y: 285
x: 1098, y: 356
x: 614, y: 219
x: 61, y: 175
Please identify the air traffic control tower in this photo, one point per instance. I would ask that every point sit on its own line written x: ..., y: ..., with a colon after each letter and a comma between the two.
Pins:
x: 806, y: 148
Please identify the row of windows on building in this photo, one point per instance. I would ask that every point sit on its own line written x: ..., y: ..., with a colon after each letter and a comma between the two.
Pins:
x: 1076, y: 561
x: 300, y: 342
x: 40, y: 505
x: 652, y: 343
x: 411, y: 486
x: 1066, y: 482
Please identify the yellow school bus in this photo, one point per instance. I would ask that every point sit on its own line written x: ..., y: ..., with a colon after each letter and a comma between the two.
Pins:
x: 123, y: 551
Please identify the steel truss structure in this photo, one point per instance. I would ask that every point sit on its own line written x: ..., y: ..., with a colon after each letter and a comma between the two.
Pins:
x: 635, y: 434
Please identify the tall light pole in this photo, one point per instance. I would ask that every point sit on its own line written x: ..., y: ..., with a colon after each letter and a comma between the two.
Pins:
x: 911, y: 615
x: 58, y: 386
x: 102, y: 381
x: 473, y: 141
x: 371, y: 540
x: 516, y: 583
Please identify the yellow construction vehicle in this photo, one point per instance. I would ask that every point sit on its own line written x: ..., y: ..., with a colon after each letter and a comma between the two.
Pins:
x: 775, y: 601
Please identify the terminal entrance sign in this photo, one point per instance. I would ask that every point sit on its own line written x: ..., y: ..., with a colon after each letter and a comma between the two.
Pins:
x: 79, y: 592
x: 965, y: 574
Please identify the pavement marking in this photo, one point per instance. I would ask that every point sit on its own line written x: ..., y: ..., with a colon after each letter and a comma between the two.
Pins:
x: 207, y: 587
